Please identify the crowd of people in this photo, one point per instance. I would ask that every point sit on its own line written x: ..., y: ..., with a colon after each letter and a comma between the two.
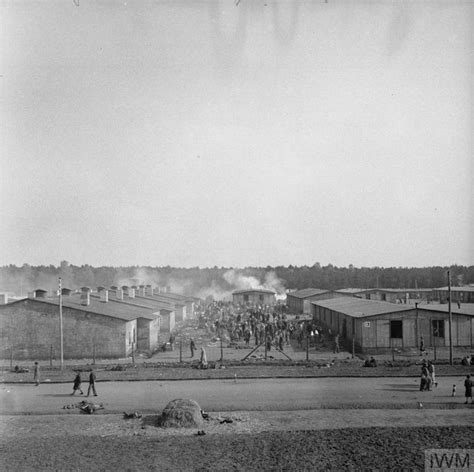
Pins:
x: 262, y: 325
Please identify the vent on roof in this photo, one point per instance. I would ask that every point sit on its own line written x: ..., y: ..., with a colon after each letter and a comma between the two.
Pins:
x: 118, y: 293
x: 3, y: 298
x: 39, y: 293
x: 85, y: 296
x: 149, y: 290
x: 104, y: 294
x: 65, y: 292
x: 128, y: 292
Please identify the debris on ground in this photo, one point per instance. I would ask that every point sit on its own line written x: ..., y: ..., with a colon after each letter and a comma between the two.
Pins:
x: 90, y: 408
x: 129, y: 416
x: 227, y: 420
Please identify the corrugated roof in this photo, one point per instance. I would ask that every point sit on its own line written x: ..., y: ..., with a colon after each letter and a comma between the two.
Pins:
x: 307, y: 292
x: 112, y: 309
x: 151, y: 302
x: 352, y: 290
x: 465, y: 309
x: 144, y: 302
x: 360, y: 308
x: 252, y: 290
x: 457, y: 289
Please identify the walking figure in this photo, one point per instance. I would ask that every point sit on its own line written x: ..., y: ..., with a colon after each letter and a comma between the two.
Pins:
x: 422, y: 345
x: 192, y: 346
x: 36, y: 374
x: 336, y: 344
x: 468, y: 386
x: 91, y: 384
x: 77, y: 384
x: 203, y: 362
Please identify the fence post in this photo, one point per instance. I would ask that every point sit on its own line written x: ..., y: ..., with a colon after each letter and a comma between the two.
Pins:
x: 51, y: 355
x: 180, y: 351
x: 307, y: 347
x: 11, y: 358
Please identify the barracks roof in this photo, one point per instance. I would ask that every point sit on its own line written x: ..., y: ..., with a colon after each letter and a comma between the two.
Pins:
x: 112, y: 308
x: 307, y: 292
x: 360, y: 308
x: 253, y: 290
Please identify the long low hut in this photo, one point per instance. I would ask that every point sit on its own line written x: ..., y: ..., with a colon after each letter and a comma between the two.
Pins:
x: 376, y: 326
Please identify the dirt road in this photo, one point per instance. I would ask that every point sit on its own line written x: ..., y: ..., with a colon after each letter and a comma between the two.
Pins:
x: 237, y: 395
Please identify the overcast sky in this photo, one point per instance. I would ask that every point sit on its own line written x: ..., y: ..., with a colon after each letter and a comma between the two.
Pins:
x: 199, y: 133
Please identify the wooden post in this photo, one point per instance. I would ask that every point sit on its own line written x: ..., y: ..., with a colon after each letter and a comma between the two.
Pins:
x: 93, y: 353
x: 450, y: 321
x: 133, y: 354
x: 61, y: 335
x: 51, y: 355
x: 222, y: 350
x: 180, y: 351
x: 353, y: 347
x: 307, y: 346
x: 11, y: 358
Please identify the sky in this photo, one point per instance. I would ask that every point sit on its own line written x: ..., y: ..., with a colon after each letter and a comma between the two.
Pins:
x: 236, y: 133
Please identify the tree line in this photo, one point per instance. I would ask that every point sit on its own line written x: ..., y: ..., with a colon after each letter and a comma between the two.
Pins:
x: 197, y: 281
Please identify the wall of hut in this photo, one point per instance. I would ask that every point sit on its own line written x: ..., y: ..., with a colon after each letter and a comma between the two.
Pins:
x: 30, y: 329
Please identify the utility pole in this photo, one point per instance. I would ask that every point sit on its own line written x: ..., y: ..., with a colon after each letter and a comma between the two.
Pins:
x: 61, y: 323
x: 450, y: 321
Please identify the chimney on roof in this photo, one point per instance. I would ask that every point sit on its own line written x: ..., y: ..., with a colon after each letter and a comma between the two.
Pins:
x: 141, y: 290
x: 85, y: 296
x: 149, y: 291
x: 118, y: 292
x: 65, y: 292
x: 3, y: 298
x: 103, y: 294
x: 39, y: 293
x: 129, y: 292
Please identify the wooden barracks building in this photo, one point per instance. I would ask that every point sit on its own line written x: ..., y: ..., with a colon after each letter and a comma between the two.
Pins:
x: 253, y: 297
x: 378, y: 326
x: 104, y: 324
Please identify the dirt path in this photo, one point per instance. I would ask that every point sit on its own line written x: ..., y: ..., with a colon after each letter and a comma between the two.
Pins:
x: 239, y: 394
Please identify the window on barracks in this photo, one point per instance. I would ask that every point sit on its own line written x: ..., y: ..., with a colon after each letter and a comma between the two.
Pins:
x: 438, y: 328
x: 396, y: 329
x: 246, y: 298
x: 260, y: 297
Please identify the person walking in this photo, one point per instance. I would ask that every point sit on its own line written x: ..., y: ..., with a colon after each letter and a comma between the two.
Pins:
x: 425, y: 383
x: 36, y: 374
x: 92, y: 379
x: 468, y: 388
x: 422, y: 346
x: 336, y: 344
x: 192, y: 346
x: 431, y: 370
x: 77, y: 384
x: 203, y: 362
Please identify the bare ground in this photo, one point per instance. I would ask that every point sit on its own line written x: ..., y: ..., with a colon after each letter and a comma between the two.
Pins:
x: 311, y: 440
